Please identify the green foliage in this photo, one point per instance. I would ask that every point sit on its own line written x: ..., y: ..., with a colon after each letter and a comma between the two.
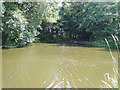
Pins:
x: 14, y: 33
x: 100, y: 43
x: 1, y: 15
x: 94, y: 20
x: 22, y: 22
x: 27, y: 22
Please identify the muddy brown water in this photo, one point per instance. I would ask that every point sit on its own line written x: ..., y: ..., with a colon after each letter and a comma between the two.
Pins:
x: 52, y: 66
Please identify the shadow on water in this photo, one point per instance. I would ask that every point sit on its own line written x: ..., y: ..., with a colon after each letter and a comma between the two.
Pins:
x: 83, y: 44
x: 14, y: 47
x: 106, y: 49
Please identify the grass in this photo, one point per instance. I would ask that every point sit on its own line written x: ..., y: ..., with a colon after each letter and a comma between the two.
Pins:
x: 111, y: 81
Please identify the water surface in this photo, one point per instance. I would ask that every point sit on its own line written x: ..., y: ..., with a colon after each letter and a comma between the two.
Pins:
x: 53, y: 66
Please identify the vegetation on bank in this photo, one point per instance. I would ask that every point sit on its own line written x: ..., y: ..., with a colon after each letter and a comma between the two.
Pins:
x: 83, y: 23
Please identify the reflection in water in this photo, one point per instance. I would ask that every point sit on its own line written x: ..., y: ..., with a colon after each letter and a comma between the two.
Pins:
x: 52, y: 66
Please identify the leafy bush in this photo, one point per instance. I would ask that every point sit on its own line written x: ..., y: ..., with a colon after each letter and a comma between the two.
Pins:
x: 15, y: 30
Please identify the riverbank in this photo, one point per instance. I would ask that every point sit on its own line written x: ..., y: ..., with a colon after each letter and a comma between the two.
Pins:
x: 71, y: 43
x: 99, y: 43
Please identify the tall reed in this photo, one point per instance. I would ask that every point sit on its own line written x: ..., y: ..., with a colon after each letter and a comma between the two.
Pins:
x: 111, y: 81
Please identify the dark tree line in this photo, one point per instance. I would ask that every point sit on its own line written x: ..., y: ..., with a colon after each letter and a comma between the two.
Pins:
x: 28, y: 22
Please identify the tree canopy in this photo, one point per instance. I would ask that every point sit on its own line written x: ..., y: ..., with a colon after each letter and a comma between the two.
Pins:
x: 27, y: 22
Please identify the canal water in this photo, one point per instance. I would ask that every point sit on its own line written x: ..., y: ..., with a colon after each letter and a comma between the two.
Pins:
x: 56, y: 66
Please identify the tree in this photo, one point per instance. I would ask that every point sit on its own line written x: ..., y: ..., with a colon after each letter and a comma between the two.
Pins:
x: 22, y: 21
x: 89, y: 20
